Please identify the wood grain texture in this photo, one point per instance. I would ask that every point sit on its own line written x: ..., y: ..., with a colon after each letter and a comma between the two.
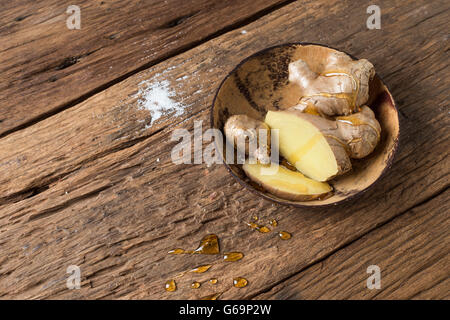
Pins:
x: 94, y: 185
x: 412, y: 252
x: 42, y: 61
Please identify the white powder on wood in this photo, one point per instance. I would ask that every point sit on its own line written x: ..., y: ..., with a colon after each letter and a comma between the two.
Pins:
x: 182, y: 78
x: 158, y: 98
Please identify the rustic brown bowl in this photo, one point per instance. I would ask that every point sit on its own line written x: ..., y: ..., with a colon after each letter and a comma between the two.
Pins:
x: 260, y: 83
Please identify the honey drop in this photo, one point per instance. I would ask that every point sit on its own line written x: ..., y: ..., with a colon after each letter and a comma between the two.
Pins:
x: 208, y: 245
x: 260, y: 228
x: 213, y: 280
x: 240, y: 282
x: 212, y: 296
x: 263, y: 229
x: 171, y: 285
x: 274, y: 223
x: 201, y: 269
x: 233, y: 256
x: 252, y: 225
x: 285, y: 235
x: 195, y: 285
x: 177, y: 251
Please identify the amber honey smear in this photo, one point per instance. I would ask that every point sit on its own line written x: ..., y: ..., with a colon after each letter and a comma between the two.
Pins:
x: 208, y: 245
x: 311, y: 109
x: 195, y: 285
x: 287, y: 165
x: 213, y: 280
x: 300, y: 152
x: 274, y: 223
x: 355, y: 83
x: 350, y: 97
x: 233, y: 256
x: 355, y: 121
x: 177, y: 251
x: 201, y: 269
x: 240, y: 282
x: 341, y: 142
x: 212, y: 296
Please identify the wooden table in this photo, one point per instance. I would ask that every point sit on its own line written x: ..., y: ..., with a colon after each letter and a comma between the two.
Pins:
x: 86, y: 176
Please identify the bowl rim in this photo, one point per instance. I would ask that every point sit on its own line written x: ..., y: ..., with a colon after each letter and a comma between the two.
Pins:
x: 289, y: 203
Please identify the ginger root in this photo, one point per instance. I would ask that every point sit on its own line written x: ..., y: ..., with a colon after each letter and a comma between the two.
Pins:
x: 321, y: 148
x: 286, y: 183
x: 245, y: 133
x: 330, y: 125
x: 360, y: 131
x: 340, y: 90
x: 310, y: 143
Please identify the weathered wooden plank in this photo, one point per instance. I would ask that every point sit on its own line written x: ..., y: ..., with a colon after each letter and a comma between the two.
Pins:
x: 118, y: 216
x: 94, y: 186
x: 42, y: 61
x: 412, y: 253
x: 117, y: 117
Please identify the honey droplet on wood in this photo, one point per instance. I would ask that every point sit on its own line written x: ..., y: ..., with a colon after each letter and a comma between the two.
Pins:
x: 171, y: 285
x: 212, y: 296
x: 285, y: 235
x: 195, y: 285
x: 201, y: 269
x: 252, y: 225
x: 233, y: 256
x: 240, y: 282
x: 177, y: 251
x: 255, y: 218
x: 260, y: 228
x: 213, y: 280
x: 274, y: 223
x: 208, y: 245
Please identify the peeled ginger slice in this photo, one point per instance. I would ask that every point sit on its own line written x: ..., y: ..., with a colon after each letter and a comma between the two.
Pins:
x: 286, y: 183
